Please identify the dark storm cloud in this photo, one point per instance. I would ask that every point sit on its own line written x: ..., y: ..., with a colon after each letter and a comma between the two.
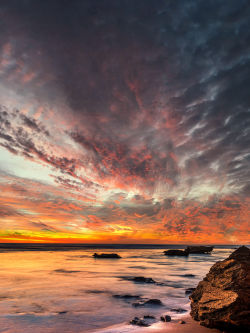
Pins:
x: 153, y: 84
x: 32, y: 123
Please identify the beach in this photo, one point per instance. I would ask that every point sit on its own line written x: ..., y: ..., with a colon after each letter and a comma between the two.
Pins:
x: 190, y: 326
x: 70, y: 291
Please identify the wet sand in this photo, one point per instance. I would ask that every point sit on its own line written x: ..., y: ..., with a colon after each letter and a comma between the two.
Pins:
x: 190, y: 326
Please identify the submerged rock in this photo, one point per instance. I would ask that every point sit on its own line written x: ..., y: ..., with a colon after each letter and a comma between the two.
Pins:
x: 182, y: 322
x: 145, y: 321
x: 182, y: 253
x: 222, y: 299
x: 151, y: 301
x: 141, y: 279
x: 106, y: 255
x: 149, y: 317
x: 166, y: 318
x: 199, y: 249
x: 178, y: 310
x: 127, y: 296
x: 139, y: 322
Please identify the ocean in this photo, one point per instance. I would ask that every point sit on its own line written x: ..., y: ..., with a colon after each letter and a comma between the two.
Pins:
x: 49, y: 290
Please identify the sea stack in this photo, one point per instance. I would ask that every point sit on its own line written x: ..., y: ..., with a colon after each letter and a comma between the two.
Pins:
x: 222, y: 299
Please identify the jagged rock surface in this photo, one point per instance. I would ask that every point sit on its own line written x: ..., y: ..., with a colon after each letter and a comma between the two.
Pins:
x: 222, y: 299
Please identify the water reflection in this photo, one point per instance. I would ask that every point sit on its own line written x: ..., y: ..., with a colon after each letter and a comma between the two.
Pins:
x: 73, y: 292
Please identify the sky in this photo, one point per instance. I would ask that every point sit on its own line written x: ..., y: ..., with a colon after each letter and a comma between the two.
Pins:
x: 125, y: 121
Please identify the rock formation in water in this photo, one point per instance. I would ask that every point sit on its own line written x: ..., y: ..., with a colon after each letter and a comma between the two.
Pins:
x: 199, y: 249
x: 189, y: 250
x: 222, y: 299
x: 106, y: 255
x: 176, y: 253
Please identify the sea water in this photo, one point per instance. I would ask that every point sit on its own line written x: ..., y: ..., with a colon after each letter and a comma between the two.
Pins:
x: 70, y: 291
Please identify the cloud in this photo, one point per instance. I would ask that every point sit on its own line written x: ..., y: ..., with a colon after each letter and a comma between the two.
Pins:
x: 139, y: 108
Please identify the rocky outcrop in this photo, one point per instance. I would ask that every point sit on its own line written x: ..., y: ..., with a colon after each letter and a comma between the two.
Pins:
x: 148, y: 302
x: 199, y: 249
x: 106, y: 255
x: 222, y: 299
x: 189, y: 250
x: 182, y: 253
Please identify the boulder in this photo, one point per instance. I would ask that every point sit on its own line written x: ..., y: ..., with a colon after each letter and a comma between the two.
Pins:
x: 222, y: 299
x: 199, y: 249
x: 182, y: 253
x: 148, y: 302
x: 166, y: 318
x: 139, y: 322
x: 145, y: 321
x: 106, y: 255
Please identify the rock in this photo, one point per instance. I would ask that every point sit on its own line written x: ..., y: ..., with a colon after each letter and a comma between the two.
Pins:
x: 189, y: 275
x: 222, y: 299
x: 127, y: 296
x: 199, y: 249
x: 106, y: 255
x: 145, y: 321
x: 149, y: 317
x: 181, y: 322
x: 139, y: 322
x: 166, y: 318
x: 151, y: 301
x: 182, y: 253
x: 142, y: 279
x: 178, y: 310
x: 189, y: 291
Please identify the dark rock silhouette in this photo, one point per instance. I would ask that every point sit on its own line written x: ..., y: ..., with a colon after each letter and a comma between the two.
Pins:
x: 149, y: 302
x: 139, y: 322
x: 127, y: 296
x: 182, y: 253
x: 141, y: 279
x: 106, y: 255
x: 189, y: 250
x: 166, y: 318
x: 178, y: 310
x: 222, y: 299
x: 199, y: 249
x: 145, y: 321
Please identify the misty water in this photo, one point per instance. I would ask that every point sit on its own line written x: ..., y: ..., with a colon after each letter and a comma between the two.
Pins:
x: 70, y: 291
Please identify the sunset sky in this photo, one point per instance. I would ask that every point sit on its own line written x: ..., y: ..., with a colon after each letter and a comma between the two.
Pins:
x: 125, y: 121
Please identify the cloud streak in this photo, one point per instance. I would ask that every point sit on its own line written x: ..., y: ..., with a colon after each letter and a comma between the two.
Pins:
x: 140, y: 112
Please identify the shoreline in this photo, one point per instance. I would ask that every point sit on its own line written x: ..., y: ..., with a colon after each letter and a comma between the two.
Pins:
x: 174, y: 326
